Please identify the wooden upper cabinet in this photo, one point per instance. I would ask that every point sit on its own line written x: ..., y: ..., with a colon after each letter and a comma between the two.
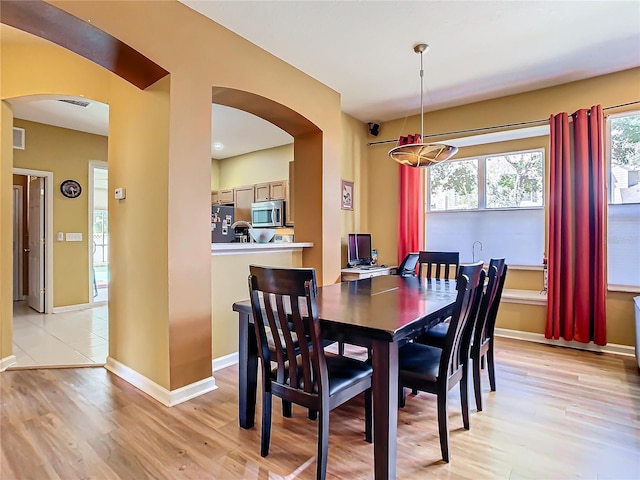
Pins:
x: 222, y: 196
x: 226, y: 196
x: 271, y: 191
x: 262, y: 192
x: 278, y: 190
x: 243, y: 198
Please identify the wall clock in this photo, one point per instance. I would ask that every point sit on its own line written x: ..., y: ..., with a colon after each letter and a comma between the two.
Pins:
x: 70, y: 189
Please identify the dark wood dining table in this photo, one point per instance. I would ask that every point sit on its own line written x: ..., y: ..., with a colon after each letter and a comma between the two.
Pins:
x: 380, y: 313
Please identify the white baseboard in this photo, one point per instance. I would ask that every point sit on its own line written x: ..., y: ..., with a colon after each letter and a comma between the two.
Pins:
x: 225, y: 361
x: 161, y: 394
x: 540, y: 338
x: 72, y: 308
x: 6, y: 362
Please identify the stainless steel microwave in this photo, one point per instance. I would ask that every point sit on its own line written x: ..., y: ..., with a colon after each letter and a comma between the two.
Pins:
x: 267, y: 214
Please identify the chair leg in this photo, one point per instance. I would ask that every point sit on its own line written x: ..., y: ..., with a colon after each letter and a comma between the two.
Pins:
x: 464, y: 397
x: 368, y: 415
x: 476, y: 382
x: 491, y: 367
x: 341, y: 349
x: 401, y: 396
x: 323, y: 445
x: 312, y: 414
x: 443, y: 425
x: 266, y: 424
x: 414, y: 391
x: 286, y: 409
x: 482, y: 362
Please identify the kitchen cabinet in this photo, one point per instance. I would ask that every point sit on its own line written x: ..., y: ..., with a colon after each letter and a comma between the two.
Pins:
x: 271, y: 191
x: 222, y: 196
x: 243, y: 198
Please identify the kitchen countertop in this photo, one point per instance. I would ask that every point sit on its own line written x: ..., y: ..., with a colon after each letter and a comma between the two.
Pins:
x: 241, y: 248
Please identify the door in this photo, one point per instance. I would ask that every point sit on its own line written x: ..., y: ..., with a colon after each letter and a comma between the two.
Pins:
x: 35, y: 297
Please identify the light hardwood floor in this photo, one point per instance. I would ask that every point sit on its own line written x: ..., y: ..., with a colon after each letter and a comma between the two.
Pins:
x: 557, y: 414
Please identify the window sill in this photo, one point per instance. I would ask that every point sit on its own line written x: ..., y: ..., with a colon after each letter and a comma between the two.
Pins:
x: 528, y: 297
x: 623, y: 288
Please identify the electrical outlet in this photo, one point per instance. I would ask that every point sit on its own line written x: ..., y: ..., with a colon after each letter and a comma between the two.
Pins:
x: 61, y: 236
x: 120, y: 193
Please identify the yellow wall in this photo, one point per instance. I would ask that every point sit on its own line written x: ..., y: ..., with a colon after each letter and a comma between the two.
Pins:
x: 6, y: 231
x: 159, y: 149
x: 229, y: 275
x: 66, y: 153
x: 607, y: 90
x: 355, y: 169
x: 262, y: 166
x: 215, y: 174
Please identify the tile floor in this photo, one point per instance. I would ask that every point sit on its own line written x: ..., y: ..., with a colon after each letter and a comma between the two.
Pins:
x: 71, y: 338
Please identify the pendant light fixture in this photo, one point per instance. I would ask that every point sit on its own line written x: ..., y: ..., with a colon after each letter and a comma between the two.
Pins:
x: 422, y: 154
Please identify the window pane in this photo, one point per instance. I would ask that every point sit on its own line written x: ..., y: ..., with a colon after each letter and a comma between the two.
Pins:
x: 520, y: 239
x: 454, y: 185
x: 625, y: 159
x: 623, y: 245
x: 514, y: 180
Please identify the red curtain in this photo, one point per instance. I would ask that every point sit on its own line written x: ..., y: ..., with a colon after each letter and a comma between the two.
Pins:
x: 411, y: 212
x: 577, y: 202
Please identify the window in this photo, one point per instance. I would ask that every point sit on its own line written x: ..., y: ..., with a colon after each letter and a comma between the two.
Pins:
x: 623, y: 222
x: 496, y: 200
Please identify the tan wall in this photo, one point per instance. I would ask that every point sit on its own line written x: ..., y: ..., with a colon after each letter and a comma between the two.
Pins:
x: 215, y: 174
x: 608, y: 90
x: 160, y: 305
x: 267, y: 165
x: 229, y: 275
x: 6, y: 231
x: 66, y: 153
x: 138, y: 287
x: 355, y: 169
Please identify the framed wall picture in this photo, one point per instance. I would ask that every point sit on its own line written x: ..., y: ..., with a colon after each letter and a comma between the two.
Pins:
x: 346, y: 200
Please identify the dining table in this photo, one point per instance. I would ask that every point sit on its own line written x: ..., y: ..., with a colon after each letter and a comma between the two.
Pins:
x: 379, y: 313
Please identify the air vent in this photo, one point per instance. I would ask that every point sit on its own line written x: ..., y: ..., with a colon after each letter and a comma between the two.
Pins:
x: 18, y: 138
x: 79, y: 103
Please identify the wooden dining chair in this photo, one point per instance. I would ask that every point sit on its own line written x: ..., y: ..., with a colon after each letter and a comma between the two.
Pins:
x: 482, y: 341
x: 438, y: 264
x: 482, y: 344
x: 284, y: 300
x: 438, y: 370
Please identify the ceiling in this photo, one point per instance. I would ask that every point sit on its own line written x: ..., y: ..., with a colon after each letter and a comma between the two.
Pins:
x: 363, y: 50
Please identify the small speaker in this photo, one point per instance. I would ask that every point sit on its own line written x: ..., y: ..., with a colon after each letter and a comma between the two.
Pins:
x: 374, y: 128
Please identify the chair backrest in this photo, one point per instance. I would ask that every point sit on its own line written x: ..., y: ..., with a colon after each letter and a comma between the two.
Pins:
x: 438, y: 264
x: 456, y: 348
x: 488, y: 311
x: 283, y: 302
x: 408, y: 266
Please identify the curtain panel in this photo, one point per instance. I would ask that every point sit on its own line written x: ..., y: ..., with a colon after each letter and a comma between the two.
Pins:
x: 411, y: 212
x: 577, y: 209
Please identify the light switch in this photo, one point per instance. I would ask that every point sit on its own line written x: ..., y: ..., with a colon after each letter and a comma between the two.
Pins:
x: 60, y: 236
x: 74, y: 237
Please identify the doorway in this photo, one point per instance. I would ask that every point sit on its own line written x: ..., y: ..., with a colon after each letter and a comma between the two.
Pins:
x: 99, y: 226
x: 33, y: 267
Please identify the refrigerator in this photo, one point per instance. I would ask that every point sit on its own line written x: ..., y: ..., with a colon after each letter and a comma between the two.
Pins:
x: 221, y: 221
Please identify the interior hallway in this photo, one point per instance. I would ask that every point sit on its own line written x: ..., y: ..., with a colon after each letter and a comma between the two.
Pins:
x: 70, y: 338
